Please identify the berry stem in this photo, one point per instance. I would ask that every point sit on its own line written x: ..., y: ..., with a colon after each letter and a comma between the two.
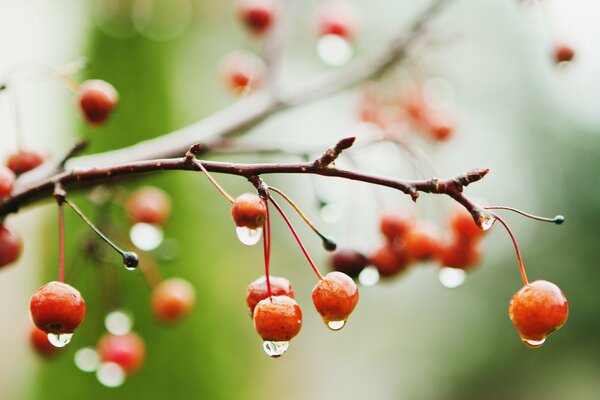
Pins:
x: 267, y: 249
x: 289, y: 224
x: 514, y: 240
x: 61, y: 243
x: 558, y: 219
x: 213, y: 181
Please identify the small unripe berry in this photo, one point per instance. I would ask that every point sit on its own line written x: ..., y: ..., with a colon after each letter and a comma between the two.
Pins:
x: 335, y: 297
x: 128, y: 351
x: 7, y: 181
x: 149, y: 205
x: 249, y: 211
x: 172, y: 299
x: 97, y: 100
x: 257, y: 290
x: 40, y: 343
x: 242, y: 72
x: 257, y: 15
x: 57, y: 308
x: 277, y: 319
x: 348, y: 261
x: 10, y: 246
x: 25, y: 160
x: 537, y: 310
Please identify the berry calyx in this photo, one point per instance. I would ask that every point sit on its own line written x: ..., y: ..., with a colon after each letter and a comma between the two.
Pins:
x: 348, y: 261
x: 57, y: 308
x: 149, y: 205
x: 563, y: 54
x: 38, y: 339
x: 277, y: 319
x: 335, y: 297
x: 128, y: 351
x: 257, y: 15
x: 249, y: 211
x: 536, y: 310
x: 25, y: 160
x: 7, y: 181
x: 172, y: 299
x: 258, y: 291
x: 10, y: 246
x: 97, y: 99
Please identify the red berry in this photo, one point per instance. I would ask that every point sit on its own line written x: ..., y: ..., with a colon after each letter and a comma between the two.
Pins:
x: 257, y: 290
x: 97, y: 100
x: 149, y: 205
x: 394, y: 225
x: 7, y: 181
x: 335, y: 297
x: 537, y: 310
x: 249, y: 211
x: 460, y: 254
x: 348, y: 261
x: 388, y: 261
x: 25, y: 160
x: 463, y: 225
x: 40, y: 343
x: 563, y: 53
x: 423, y: 242
x: 338, y: 18
x: 257, y: 15
x: 57, y: 308
x: 242, y: 72
x: 10, y: 246
x: 277, y: 319
x: 173, y: 299
x: 128, y: 351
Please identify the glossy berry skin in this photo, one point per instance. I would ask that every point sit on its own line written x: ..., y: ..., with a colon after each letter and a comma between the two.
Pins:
x: 172, y: 299
x: 249, y: 211
x: 57, y: 308
x: 277, y: 319
x: 257, y: 290
x: 242, y: 72
x: 423, y: 243
x: 348, y: 261
x: 38, y: 339
x: 97, y: 100
x: 563, y: 54
x: 338, y: 18
x: 7, y: 181
x: 257, y: 15
x: 463, y: 225
x: 389, y: 261
x: 537, y: 310
x: 10, y: 246
x: 394, y: 225
x: 25, y: 160
x: 335, y: 296
x: 460, y: 254
x: 149, y: 205
x: 128, y: 351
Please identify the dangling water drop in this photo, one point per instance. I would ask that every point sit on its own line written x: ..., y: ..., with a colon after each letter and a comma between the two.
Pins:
x: 534, y: 344
x: 248, y: 236
x: 86, y: 359
x: 60, y: 340
x: 334, y: 50
x: 486, y: 220
x: 452, y: 277
x: 336, y: 325
x: 146, y: 237
x: 369, y: 276
x: 275, y: 349
x: 110, y: 374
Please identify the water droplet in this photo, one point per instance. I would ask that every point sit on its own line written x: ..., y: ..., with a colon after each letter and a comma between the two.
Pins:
x: 60, y: 340
x: 336, y: 325
x: 331, y: 213
x: 368, y: 276
x: 248, y: 236
x: 118, y: 323
x: 452, y: 277
x: 275, y: 349
x: 486, y: 219
x: 534, y: 344
x: 86, y: 359
x: 146, y: 237
x: 334, y: 50
x: 110, y: 374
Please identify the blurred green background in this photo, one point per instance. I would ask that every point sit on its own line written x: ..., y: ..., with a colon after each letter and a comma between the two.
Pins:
x: 535, y: 125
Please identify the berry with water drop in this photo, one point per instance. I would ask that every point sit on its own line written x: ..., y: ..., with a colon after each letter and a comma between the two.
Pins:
x: 257, y: 290
x: 97, y: 100
x: 10, y: 246
x: 57, y: 308
x: 172, y: 300
x: 348, y: 261
x: 335, y: 297
x: 249, y: 211
x: 128, y: 351
x: 149, y: 205
x: 25, y: 160
x: 277, y: 318
x: 257, y: 15
x: 536, y: 310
